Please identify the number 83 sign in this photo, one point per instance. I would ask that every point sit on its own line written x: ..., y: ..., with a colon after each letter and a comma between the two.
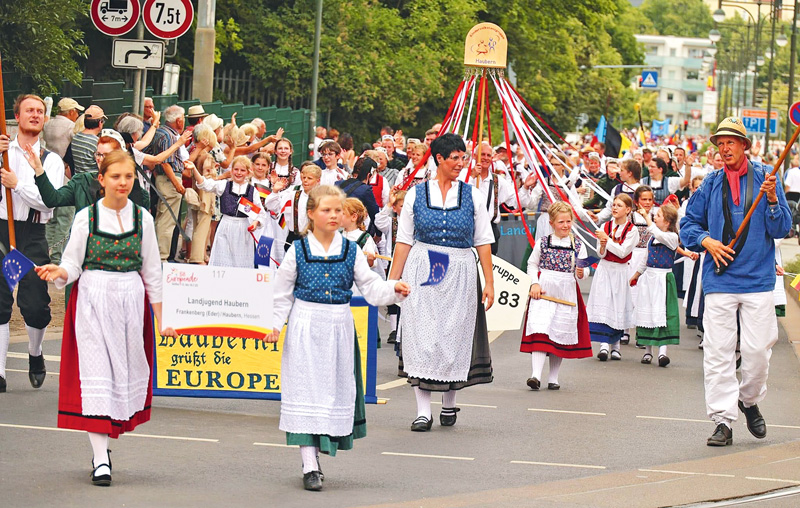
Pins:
x: 511, y: 287
x: 168, y: 19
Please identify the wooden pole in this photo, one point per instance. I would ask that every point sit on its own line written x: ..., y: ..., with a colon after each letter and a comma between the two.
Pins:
x: 556, y: 300
x: 12, y: 240
x: 778, y: 164
x: 481, y: 90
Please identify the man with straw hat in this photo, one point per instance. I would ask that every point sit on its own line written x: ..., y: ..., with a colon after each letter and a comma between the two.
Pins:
x: 742, y: 281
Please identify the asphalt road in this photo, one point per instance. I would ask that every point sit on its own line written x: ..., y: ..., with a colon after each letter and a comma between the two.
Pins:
x: 611, y: 424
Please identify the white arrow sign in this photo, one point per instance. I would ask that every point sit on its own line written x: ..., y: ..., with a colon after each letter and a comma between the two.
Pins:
x: 138, y: 54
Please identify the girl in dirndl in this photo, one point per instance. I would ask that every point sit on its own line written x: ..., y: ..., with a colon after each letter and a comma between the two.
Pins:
x: 322, y: 398
x: 233, y: 243
x: 657, y: 318
x: 107, y: 346
x: 552, y: 329
x: 643, y: 204
x: 610, y: 307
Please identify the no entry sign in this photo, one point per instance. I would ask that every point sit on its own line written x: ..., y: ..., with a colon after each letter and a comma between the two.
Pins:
x: 794, y: 113
x: 115, y: 17
x: 168, y: 19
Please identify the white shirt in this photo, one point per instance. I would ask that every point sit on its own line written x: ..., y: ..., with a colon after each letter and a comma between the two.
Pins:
x: 276, y: 202
x: 505, y: 193
x: 792, y: 180
x: 26, y: 195
x: 621, y: 249
x: 667, y: 238
x: 74, y: 252
x: 218, y: 188
x: 536, y: 256
x: 331, y: 176
x: 376, y: 291
x: 405, y: 224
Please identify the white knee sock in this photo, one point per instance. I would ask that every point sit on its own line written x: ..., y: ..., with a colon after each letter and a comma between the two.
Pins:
x: 648, y: 350
x: 393, y: 322
x: 5, y: 336
x: 35, y: 338
x: 662, y: 350
x: 309, y: 456
x: 423, y: 402
x: 615, y: 346
x: 449, y: 399
x: 99, y: 444
x: 604, y: 346
x: 537, y: 364
x: 555, y: 366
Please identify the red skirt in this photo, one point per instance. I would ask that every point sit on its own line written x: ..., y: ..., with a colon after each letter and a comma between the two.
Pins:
x: 541, y: 342
x: 70, y: 415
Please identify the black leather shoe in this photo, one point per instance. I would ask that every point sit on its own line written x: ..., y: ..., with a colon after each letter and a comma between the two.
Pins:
x: 553, y: 386
x: 101, y: 480
x: 448, y: 416
x: 533, y: 383
x: 625, y: 340
x: 2, y: 384
x: 722, y: 436
x: 312, y: 481
x: 602, y: 355
x: 755, y: 422
x: 36, y: 370
x: 663, y: 360
x: 421, y: 424
x: 392, y: 338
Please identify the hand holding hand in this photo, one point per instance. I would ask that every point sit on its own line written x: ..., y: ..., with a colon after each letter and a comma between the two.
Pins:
x: 402, y: 288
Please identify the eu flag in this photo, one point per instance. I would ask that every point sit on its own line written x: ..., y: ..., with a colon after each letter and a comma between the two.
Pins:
x: 438, y: 261
x: 263, y: 251
x: 15, y: 266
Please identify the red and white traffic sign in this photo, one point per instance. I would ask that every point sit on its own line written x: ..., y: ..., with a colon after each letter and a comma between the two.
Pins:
x: 115, y: 17
x: 168, y: 19
x: 794, y: 113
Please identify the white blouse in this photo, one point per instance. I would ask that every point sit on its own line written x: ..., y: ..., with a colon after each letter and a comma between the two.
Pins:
x: 372, y: 287
x: 276, y: 201
x: 405, y: 224
x: 536, y: 256
x: 667, y: 238
x: 331, y: 176
x: 218, y: 188
x: 75, y: 251
x: 621, y: 249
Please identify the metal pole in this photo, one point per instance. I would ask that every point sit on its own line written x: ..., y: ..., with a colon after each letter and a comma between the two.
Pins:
x: 758, y: 49
x: 792, y: 57
x: 315, y: 70
x: 204, y: 42
x: 769, y: 84
x: 746, y: 64
x: 138, y: 101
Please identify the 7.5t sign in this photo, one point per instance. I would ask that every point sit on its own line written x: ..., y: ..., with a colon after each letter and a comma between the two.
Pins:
x: 168, y: 19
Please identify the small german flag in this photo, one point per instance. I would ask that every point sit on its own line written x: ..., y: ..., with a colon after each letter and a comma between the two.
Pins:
x: 282, y: 222
x: 263, y: 191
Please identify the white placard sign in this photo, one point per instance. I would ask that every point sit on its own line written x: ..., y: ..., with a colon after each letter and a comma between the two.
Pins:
x: 511, y: 286
x: 214, y: 300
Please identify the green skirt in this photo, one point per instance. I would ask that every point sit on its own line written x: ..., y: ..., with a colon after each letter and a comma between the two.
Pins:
x: 331, y: 444
x: 670, y: 334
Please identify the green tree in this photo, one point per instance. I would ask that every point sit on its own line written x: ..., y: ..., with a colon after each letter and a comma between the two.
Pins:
x: 682, y: 18
x: 41, y: 39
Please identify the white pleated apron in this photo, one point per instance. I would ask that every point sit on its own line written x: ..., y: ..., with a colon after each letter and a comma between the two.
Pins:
x: 233, y: 244
x: 651, y: 306
x: 318, y: 388
x: 109, y: 321
x: 610, y: 300
x: 559, y: 322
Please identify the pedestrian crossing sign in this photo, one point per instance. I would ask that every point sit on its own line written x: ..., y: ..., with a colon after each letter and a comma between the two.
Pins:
x: 650, y: 79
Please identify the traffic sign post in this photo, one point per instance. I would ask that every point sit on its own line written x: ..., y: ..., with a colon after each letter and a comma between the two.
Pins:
x: 138, y: 54
x: 755, y: 121
x: 168, y: 19
x: 794, y: 113
x: 650, y: 79
x: 115, y: 17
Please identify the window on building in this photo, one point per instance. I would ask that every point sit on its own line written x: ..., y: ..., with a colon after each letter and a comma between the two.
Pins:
x: 692, y: 75
x: 673, y: 52
x: 670, y: 97
x: 692, y: 97
x: 695, y: 53
x: 668, y: 118
x: 652, y: 50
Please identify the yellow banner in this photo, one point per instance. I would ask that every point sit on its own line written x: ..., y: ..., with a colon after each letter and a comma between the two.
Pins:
x: 217, y: 366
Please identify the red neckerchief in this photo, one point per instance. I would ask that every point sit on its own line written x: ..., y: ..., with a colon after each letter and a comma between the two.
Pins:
x: 733, y: 176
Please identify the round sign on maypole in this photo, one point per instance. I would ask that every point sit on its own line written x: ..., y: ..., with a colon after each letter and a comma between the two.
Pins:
x: 794, y: 113
x: 486, y: 46
x: 168, y: 19
x: 114, y: 17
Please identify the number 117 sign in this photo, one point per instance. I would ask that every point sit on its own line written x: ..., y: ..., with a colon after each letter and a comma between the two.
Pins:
x: 168, y: 19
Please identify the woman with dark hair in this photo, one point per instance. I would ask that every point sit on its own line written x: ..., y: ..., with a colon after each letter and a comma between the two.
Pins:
x: 662, y: 185
x: 356, y: 187
x: 348, y: 155
x: 444, y: 349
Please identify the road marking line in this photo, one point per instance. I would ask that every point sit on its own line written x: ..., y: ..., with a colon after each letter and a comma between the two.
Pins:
x: 24, y: 356
x: 709, y: 421
x: 795, y: 482
x: 391, y: 384
x: 583, y: 466
x: 427, y: 456
x: 276, y: 445
x: 567, y: 412
x: 25, y: 371
x: 152, y: 436
x: 667, y: 471
x: 468, y: 405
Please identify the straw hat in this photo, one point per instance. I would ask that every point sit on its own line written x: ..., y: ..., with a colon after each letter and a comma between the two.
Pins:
x: 213, y: 121
x: 196, y: 111
x: 731, y: 126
